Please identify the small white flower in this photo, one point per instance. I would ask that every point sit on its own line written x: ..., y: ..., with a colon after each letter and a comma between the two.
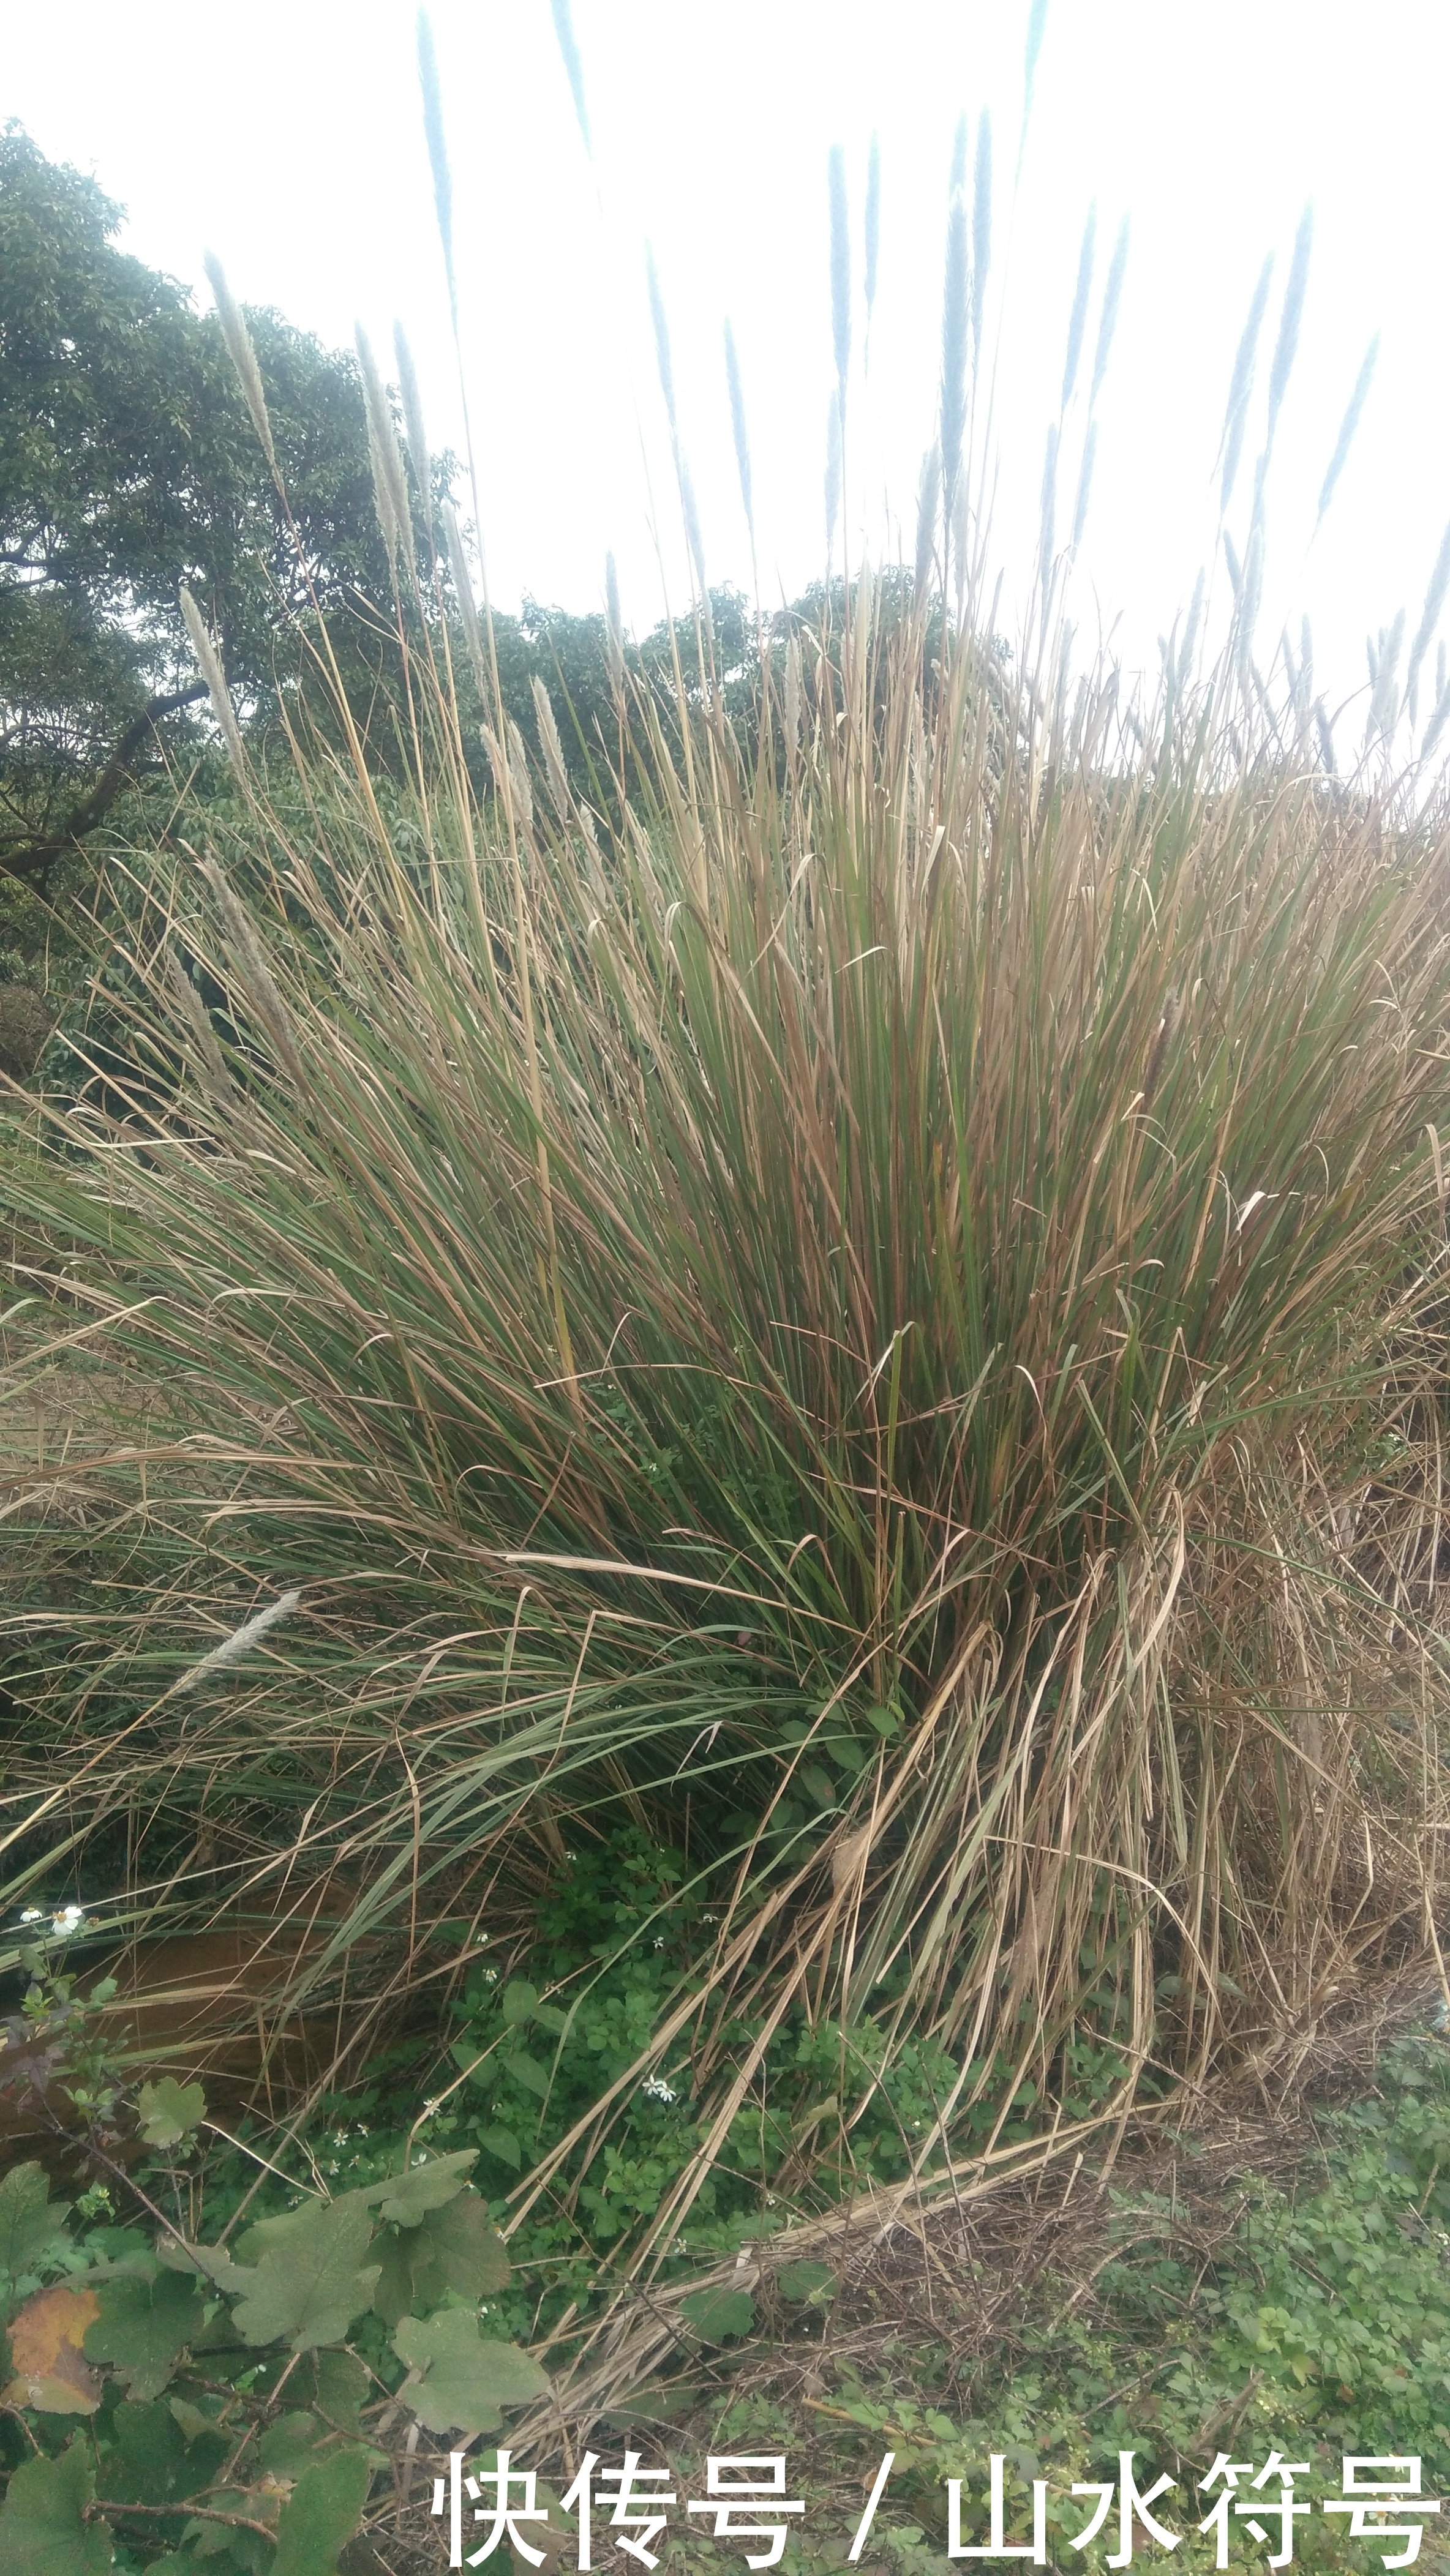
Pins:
x: 69, y: 1919
x: 658, y: 2090
x: 32, y: 1914
x: 659, y: 1940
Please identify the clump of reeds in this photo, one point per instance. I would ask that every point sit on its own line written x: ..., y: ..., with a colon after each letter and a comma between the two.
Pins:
x: 854, y: 1358
x: 832, y: 1301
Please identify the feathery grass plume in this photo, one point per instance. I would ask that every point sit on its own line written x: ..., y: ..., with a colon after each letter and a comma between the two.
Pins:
x: 1195, y: 619
x: 1429, y: 620
x: 390, y: 483
x: 1299, y: 670
x: 255, y: 973
x: 215, y: 1069
x: 519, y: 773
x: 693, y: 536
x: 209, y: 662
x: 1235, y: 568
x: 1384, y: 705
x: 467, y: 605
x: 232, y: 1648
x: 437, y: 152
x: 244, y: 358
x: 1036, y: 29
x: 1108, y: 318
x: 1441, y: 709
x: 1326, y: 739
x: 414, y: 423
x: 1286, y: 346
x: 1241, y: 385
x: 1077, y: 319
x: 569, y: 48
x: 791, y: 709
x: 1251, y: 589
x: 928, y: 508
x: 961, y: 529
x: 510, y: 767
x: 613, y: 627
x: 553, y: 749
x: 737, y: 423
x: 873, y: 228
x: 1348, y: 426
x: 955, y: 336
x: 833, y: 469
x: 840, y: 270
x: 1047, y: 531
x: 957, y: 175
x: 1084, y: 483
x: 663, y: 359
x: 981, y: 228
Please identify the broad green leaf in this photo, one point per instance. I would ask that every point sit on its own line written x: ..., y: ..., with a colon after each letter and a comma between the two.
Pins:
x: 456, y: 2248
x: 336, y: 2384
x: 309, y: 2289
x: 170, y: 2111
x: 410, y: 2195
x: 143, y: 2326
x: 195, y: 2424
x: 469, y: 2250
x: 527, y: 2071
x: 208, y: 2263
x: 43, y: 2531
x: 503, y: 2144
x: 287, y: 2446
x: 264, y: 2233
x: 519, y: 2001
x: 324, y: 2511
x: 154, y: 2462
x: 465, y: 2383
x: 393, y: 2295
x: 714, y: 2314
x: 29, y: 2220
x: 806, y: 2281
x: 204, y: 2542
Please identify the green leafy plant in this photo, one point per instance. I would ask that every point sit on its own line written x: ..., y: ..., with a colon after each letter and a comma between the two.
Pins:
x: 180, y: 2356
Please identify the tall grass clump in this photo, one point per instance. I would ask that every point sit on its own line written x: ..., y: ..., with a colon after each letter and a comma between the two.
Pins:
x: 871, y: 1310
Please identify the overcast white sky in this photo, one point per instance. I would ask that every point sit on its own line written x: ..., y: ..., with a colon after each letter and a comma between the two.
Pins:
x: 287, y: 137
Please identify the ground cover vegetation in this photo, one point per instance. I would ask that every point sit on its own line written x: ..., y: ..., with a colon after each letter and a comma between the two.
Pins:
x: 728, y: 1431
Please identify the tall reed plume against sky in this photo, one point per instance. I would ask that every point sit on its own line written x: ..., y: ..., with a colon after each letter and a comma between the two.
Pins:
x: 580, y: 132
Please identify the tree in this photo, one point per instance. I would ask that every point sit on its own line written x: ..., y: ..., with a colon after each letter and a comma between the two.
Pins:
x: 128, y: 463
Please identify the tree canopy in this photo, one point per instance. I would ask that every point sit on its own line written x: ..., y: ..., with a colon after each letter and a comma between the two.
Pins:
x: 128, y: 464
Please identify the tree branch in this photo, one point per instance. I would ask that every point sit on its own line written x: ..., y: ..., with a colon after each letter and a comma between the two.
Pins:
x: 34, y: 856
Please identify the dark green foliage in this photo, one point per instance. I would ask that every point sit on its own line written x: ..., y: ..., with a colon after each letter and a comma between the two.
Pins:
x: 128, y: 464
x: 184, y: 2406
